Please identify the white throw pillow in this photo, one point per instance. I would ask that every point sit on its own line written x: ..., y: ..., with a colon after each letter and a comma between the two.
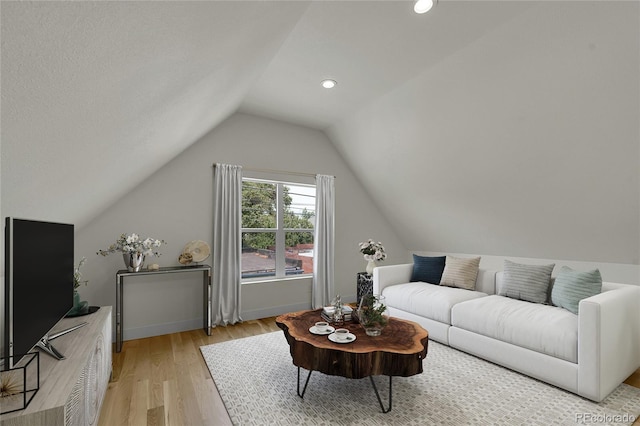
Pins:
x: 461, y: 273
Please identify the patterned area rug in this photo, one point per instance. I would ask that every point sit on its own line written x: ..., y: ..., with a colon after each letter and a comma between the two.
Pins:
x: 257, y: 381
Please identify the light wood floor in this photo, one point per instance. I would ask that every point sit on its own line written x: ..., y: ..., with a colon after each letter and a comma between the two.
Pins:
x: 164, y: 380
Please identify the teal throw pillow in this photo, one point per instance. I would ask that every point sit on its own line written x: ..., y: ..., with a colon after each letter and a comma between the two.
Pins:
x: 573, y: 286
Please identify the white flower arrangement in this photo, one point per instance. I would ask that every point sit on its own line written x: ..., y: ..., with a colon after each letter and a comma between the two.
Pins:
x: 133, y: 243
x: 372, y: 250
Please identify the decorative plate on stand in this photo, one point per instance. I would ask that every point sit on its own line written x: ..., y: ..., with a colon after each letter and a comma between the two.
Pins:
x: 197, y: 249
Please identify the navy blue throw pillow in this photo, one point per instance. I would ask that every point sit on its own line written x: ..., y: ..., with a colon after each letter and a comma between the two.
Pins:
x: 428, y: 269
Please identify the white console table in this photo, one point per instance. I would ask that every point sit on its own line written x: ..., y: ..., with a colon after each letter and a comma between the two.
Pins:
x: 71, y: 390
x: 206, y: 296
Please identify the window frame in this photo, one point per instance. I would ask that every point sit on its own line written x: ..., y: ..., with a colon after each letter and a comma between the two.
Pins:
x: 280, y: 231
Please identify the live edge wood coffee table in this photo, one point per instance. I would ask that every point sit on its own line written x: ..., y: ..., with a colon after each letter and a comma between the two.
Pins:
x: 399, y: 351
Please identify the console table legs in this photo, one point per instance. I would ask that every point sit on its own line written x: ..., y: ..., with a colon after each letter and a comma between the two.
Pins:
x: 375, y: 389
x: 206, y: 295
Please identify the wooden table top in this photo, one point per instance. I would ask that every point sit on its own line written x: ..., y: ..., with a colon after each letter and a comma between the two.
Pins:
x: 398, y: 351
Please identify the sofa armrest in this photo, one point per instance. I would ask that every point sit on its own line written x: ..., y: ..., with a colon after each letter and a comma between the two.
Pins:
x: 608, y: 340
x: 384, y: 276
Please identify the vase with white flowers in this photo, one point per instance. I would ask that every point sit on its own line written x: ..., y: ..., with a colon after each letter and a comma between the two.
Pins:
x: 134, y: 249
x: 373, y: 252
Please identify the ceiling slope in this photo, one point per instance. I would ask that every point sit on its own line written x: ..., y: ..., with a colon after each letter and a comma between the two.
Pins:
x: 370, y: 48
x: 96, y: 96
x: 524, y: 143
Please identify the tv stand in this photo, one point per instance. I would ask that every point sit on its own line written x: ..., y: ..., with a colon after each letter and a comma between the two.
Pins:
x: 71, y: 391
x: 45, y: 343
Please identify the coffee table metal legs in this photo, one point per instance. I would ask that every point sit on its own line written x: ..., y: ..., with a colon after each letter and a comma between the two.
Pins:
x: 375, y: 389
x: 384, y: 410
x: 301, y: 395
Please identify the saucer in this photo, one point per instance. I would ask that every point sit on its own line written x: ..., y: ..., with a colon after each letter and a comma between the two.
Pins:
x: 314, y: 330
x: 350, y: 338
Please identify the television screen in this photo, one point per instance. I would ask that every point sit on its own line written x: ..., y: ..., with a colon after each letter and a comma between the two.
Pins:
x: 39, y: 266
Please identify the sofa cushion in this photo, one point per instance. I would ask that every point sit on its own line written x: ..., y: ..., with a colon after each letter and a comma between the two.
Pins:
x: 460, y: 272
x: 572, y: 286
x: 542, y: 328
x: 427, y: 269
x: 526, y: 282
x: 427, y: 300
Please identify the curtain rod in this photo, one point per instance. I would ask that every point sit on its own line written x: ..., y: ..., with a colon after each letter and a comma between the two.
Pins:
x: 282, y: 172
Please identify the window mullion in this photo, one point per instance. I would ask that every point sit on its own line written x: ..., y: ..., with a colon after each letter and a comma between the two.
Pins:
x: 280, y: 234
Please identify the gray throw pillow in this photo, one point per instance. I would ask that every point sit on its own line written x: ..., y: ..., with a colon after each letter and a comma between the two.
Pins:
x: 526, y: 282
x: 573, y: 286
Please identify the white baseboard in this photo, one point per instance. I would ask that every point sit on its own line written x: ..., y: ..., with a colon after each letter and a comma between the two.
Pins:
x: 196, y: 323
x: 160, y: 329
x: 273, y: 311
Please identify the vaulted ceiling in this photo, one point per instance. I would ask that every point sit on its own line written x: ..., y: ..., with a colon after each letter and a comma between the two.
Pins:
x: 97, y: 96
x: 370, y: 48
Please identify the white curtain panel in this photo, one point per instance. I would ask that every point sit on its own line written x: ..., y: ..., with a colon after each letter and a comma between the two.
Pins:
x: 323, y: 261
x: 227, y: 244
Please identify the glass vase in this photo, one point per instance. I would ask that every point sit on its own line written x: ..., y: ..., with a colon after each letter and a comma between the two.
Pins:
x: 373, y: 314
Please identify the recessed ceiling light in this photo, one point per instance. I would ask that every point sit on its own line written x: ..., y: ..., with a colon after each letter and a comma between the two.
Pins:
x: 329, y: 84
x: 423, y: 6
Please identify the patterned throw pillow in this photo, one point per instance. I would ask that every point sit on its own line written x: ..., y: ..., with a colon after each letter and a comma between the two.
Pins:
x: 526, y: 282
x: 461, y: 273
x: 573, y: 286
x: 427, y: 269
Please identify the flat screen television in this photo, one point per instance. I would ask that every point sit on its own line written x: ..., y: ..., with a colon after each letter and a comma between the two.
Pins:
x: 39, y: 267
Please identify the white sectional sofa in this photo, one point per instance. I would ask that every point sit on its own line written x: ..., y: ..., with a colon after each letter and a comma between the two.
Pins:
x: 589, y: 354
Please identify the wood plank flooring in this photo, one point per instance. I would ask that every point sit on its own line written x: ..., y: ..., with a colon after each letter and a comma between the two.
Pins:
x: 164, y: 380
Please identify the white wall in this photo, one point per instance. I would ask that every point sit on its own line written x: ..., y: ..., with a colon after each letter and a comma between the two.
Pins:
x: 1, y: 267
x: 176, y: 205
x: 525, y: 143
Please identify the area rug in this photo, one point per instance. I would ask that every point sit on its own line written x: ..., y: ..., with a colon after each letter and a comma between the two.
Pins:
x: 257, y: 381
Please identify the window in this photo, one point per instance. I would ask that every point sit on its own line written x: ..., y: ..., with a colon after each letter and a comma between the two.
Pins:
x: 277, y: 228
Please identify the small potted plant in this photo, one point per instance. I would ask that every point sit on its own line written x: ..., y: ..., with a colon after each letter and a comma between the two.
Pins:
x: 372, y: 314
x: 77, y: 275
x: 79, y: 307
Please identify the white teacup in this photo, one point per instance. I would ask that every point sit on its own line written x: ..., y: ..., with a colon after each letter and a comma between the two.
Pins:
x: 341, y: 333
x: 322, y: 326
